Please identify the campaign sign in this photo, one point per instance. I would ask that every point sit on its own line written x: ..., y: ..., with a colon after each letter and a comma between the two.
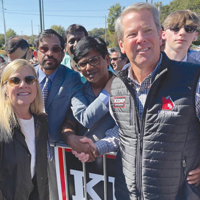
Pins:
x: 70, y: 176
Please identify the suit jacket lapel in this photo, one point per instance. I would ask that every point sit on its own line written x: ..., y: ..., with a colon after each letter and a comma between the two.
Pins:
x: 56, y: 84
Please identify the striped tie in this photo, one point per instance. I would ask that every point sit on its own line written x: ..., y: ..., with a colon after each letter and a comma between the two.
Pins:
x: 45, y: 90
x: 45, y: 93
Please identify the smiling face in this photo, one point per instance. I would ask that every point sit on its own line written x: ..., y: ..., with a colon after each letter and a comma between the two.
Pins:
x: 97, y: 74
x: 23, y: 95
x: 141, y: 39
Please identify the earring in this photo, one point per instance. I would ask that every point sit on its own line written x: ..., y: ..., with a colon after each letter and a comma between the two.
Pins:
x: 195, y: 38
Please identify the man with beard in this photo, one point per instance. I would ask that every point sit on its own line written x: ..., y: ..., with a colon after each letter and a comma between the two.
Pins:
x: 63, y: 87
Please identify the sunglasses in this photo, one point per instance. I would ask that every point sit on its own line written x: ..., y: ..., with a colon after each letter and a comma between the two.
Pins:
x: 15, y: 81
x: 55, y: 49
x: 92, y: 61
x: 188, y: 29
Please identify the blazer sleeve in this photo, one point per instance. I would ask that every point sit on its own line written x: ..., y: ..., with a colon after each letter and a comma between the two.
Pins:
x: 86, y: 114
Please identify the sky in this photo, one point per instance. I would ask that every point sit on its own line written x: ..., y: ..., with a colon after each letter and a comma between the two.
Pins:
x: 23, y: 15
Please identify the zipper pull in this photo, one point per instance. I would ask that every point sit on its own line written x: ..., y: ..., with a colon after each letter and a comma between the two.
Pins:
x: 184, y: 165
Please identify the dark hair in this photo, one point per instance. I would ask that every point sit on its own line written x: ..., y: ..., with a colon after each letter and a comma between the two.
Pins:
x: 87, y: 44
x: 15, y: 42
x: 73, y: 29
x: 117, y: 50
x: 48, y: 33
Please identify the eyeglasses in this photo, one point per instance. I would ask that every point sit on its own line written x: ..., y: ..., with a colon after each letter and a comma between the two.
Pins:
x: 55, y: 49
x: 15, y: 81
x: 92, y: 61
x: 188, y: 29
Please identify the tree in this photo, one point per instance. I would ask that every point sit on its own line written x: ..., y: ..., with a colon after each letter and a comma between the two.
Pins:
x: 2, y: 40
x: 193, y: 5
x: 114, y: 12
x: 59, y: 29
x: 97, y: 32
x: 31, y: 39
x: 10, y: 33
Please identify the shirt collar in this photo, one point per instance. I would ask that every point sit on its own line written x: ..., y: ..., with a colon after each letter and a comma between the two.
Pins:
x: 42, y: 75
x: 152, y: 75
x: 185, y: 58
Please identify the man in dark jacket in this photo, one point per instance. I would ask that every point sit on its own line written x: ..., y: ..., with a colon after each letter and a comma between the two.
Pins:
x: 155, y: 103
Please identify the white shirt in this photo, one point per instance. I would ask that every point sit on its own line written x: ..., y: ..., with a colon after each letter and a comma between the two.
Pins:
x: 28, y: 129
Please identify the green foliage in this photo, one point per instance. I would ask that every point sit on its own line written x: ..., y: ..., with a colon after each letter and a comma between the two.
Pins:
x: 59, y: 29
x: 114, y: 12
x: 2, y: 40
x: 112, y: 39
x: 97, y: 32
x: 193, y: 5
x: 10, y: 33
x: 31, y: 39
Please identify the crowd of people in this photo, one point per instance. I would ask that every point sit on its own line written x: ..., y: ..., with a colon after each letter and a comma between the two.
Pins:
x: 140, y: 99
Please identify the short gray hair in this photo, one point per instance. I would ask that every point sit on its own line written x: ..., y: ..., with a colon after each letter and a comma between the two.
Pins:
x: 134, y: 8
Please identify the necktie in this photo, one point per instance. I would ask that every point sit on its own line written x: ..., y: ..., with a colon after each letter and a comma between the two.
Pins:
x: 45, y: 90
x: 45, y: 93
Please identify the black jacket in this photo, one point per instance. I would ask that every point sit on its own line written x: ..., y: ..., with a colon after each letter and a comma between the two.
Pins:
x: 157, y: 152
x: 15, y: 175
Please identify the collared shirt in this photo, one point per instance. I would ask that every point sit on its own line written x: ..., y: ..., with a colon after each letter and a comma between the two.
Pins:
x: 42, y: 76
x: 143, y: 89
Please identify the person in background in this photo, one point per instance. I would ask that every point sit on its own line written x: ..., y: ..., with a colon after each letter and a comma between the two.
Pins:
x: 162, y: 47
x: 23, y: 135
x: 72, y: 36
x: 180, y: 30
x: 2, y: 60
x: 16, y: 47
x: 117, y: 59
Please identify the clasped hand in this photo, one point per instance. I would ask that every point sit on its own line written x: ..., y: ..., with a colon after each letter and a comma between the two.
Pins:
x: 83, y: 148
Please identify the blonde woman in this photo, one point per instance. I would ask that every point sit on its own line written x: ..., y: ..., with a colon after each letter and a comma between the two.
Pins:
x: 23, y: 135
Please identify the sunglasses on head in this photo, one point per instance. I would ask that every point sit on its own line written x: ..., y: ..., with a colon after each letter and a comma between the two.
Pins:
x: 55, y: 49
x: 15, y: 81
x: 188, y: 29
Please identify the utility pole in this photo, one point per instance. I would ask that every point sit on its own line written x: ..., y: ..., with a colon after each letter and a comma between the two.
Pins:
x: 43, y: 14
x: 31, y: 27
x: 41, y: 10
x: 4, y: 22
x: 105, y: 28
x: 159, y: 4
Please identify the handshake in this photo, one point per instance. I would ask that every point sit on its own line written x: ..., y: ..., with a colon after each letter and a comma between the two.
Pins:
x: 83, y: 148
